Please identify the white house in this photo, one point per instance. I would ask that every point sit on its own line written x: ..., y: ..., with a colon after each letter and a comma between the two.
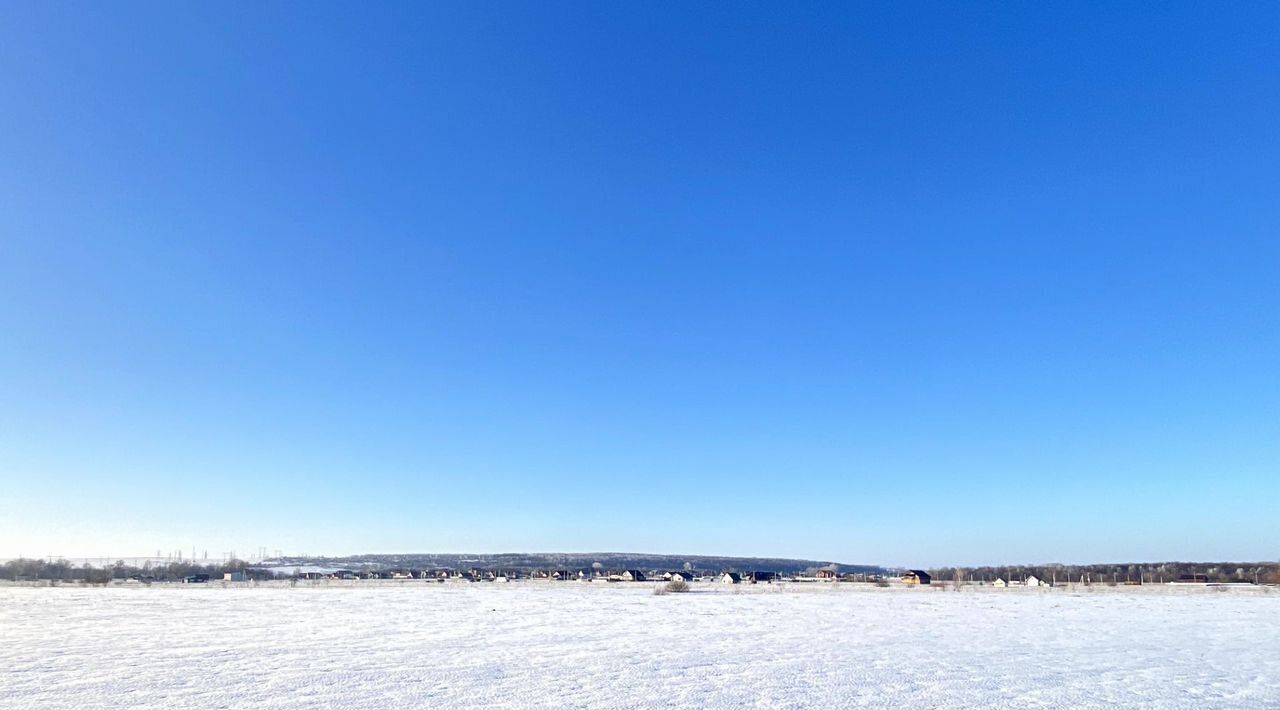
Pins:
x: 731, y: 578
x: 999, y: 583
x: 1034, y: 581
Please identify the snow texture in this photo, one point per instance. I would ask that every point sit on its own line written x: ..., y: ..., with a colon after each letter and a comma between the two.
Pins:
x: 577, y: 645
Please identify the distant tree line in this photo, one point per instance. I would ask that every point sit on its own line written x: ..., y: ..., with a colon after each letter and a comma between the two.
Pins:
x: 529, y: 562
x: 65, y: 571
x: 1132, y: 573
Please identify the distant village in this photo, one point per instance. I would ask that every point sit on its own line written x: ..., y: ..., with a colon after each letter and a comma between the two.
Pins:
x: 498, y: 576
x: 909, y: 578
x: 615, y: 568
x: 600, y: 575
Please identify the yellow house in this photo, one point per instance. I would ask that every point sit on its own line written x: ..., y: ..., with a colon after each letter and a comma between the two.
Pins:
x: 916, y: 576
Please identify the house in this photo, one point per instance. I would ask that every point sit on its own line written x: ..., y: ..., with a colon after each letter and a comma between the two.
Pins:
x: 825, y: 573
x: 730, y: 578
x: 761, y: 577
x: 632, y: 575
x: 916, y: 576
x: 999, y: 583
x: 684, y: 575
x: 238, y: 576
x: 1034, y: 581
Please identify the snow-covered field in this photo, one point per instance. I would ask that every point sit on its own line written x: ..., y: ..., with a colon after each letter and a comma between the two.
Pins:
x: 595, y: 645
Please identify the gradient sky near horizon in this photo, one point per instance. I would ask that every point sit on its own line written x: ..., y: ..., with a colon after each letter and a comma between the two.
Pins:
x: 927, y: 284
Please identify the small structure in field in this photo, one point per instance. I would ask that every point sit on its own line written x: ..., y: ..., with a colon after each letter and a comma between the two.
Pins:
x: 237, y: 576
x: 825, y: 573
x: 1034, y: 581
x: 682, y: 575
x: 730, y: 578
x: 761, y: 577
x: 916, y: 577
x: 999, y: 583
x: 632, y: 575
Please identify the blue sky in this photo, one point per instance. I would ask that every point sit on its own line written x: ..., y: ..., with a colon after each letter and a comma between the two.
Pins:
x: 924, y: 285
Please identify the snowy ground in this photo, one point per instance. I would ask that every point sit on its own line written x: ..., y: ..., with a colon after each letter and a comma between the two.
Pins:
x: 596, y: 645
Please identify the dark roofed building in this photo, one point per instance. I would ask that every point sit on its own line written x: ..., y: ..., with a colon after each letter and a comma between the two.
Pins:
x: 916, y: 576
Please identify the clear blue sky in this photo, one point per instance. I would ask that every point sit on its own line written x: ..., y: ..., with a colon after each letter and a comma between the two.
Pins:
x: 926, y: 285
